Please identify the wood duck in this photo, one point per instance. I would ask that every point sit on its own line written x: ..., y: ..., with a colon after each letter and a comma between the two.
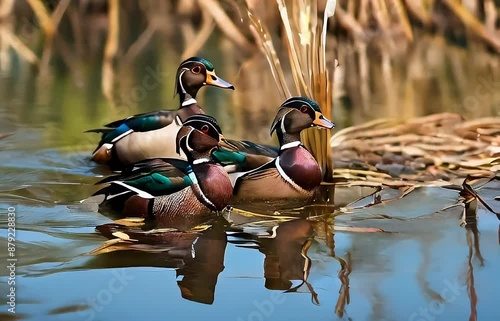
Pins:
x: 173, y: 191
x: 294, y: 174
x: 151, y: 135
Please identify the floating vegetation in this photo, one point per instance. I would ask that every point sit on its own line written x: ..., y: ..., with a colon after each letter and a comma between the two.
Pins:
x: 435, y: 147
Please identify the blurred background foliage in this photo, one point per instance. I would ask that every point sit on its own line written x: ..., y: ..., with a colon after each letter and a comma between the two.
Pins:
x: 68, y: 66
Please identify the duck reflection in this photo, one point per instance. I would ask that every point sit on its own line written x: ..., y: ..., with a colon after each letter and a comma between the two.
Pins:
x: 285, y: 248
x: 286, y: 254
x: 197, y: 256
x: 198, y: 277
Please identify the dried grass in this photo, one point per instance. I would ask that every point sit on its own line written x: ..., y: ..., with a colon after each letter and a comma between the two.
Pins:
x: 439, y: 146
x: 305, y: 39
x: 110, y: 51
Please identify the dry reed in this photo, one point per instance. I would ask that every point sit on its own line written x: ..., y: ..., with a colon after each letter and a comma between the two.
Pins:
x: 305, y: 39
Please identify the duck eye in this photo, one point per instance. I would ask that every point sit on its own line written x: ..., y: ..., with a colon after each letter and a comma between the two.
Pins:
x: 204, y: 129
x: 196, y: 70
x: 304, y: 109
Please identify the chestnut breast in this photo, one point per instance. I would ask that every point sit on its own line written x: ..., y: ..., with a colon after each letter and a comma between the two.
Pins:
x: 301, y: 167
x: 215, y: 184
x: 185, y: 112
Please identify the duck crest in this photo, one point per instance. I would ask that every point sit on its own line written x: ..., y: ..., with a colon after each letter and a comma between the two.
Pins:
x: 298, y: 167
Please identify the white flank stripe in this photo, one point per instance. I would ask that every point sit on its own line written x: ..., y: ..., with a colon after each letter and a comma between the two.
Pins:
x: 195, y: 185
x: 115, y: 195
x: 133, y: 189
x: 123, y: 135
x: 198, y: 187
x: 287, y: 178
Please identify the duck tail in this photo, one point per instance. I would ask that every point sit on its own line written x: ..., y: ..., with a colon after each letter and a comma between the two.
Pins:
x: 126, y: 200
x: 259, y: 149
x: 103, y: 154
x: 99, y: 130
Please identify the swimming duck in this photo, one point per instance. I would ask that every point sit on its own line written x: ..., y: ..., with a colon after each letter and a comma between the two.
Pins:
x: 294, y: 174
x: 172, y: 191
x: 151, y: 135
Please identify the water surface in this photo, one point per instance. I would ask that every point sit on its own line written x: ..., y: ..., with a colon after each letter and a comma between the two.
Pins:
x: 425, y: 267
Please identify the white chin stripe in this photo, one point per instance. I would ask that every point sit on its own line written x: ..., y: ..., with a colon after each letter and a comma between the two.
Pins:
x: 290, y: 145
x: 188, y: 102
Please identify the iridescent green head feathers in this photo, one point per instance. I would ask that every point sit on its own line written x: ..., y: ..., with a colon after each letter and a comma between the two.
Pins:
x: 199, y: 135
x: 298, y: 113
x: 208, y: 64
x: 194, y: 73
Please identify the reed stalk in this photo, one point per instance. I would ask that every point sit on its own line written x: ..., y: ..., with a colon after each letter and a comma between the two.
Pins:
x: 305, y: 40
x: 110, y: 51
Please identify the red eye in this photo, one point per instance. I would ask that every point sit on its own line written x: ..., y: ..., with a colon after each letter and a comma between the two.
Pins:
x: 196, y: 70
x: 204, y: 129
x: 304, y: 109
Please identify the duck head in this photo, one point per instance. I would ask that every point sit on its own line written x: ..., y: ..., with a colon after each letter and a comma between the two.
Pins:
x: 199, y: 136
x: 295, y: 115
x: 194, y: 73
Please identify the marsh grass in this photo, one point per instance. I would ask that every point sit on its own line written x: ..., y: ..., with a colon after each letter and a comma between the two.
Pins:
x: 305, y: 40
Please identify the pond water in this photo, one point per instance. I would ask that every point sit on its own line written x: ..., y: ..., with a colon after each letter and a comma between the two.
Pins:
x: 425, y: 267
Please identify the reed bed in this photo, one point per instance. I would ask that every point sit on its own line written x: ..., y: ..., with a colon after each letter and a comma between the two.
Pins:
x: 387, y: 25
x: 387, y: 58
